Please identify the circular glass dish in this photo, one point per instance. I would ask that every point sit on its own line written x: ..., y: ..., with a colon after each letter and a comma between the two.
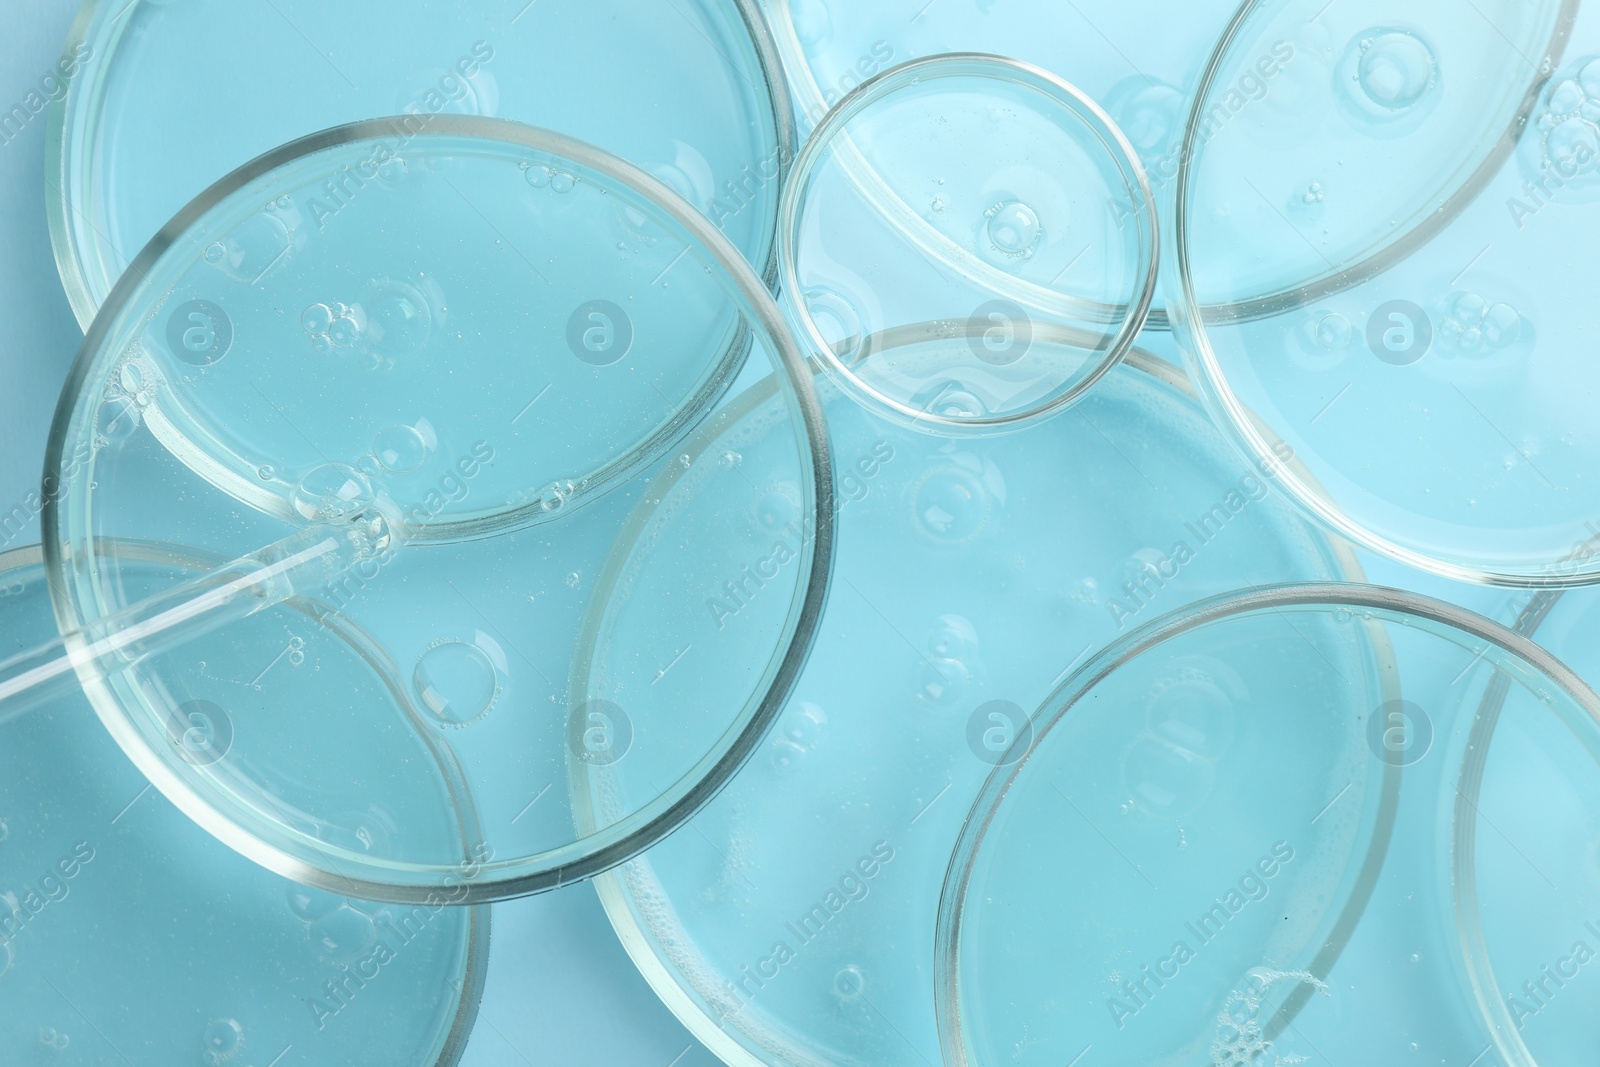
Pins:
x: 257, y: 74
x: 1416, y: 343
x: 1524, y: 871
x: 433, y: 466
x: 792, y: 921
x: 1039, y: 957
x: 1143, y: 79
x: 983, y: 194
x: 127, y: 935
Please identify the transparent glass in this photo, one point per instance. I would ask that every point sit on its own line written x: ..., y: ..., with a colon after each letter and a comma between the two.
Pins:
x: 129, y: 935
x: 467, y: 381
x: 985, y: 198
x: 792, y: 920
x: 1304, y: 912
x: 1380, y: 258
x: 260, y: 73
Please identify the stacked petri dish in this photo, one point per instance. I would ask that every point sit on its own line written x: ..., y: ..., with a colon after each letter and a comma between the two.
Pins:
x: 979, y: 534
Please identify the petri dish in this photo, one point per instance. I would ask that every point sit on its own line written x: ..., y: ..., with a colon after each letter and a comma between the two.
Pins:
x: 1039, y: 954
x: 1144, y: 81
x: 985, y: 195
x: 1410, y: 341
x: 792, y: 921
x: 689, y: 92
x: 128, y: 935
x: 416, y: 465
x: 1522, y: 859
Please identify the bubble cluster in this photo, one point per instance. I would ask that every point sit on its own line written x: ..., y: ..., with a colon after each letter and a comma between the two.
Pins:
x: 1240, y: 1040
x: 1565, y: 140
x: 1473, y: 326
x: 542, y: 177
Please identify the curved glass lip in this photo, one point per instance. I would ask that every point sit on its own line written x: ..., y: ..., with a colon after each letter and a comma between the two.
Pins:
x: 1189, y: 320
x: 1463, y: 873
x: 469, y: 994
x: 296, y: 856
x: 644, y: 948
x: 1131, y: 315
x: 82, y: 275
x: 1262, y: 599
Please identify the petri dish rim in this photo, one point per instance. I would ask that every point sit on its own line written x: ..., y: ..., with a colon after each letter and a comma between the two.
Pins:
x: 479, y: 919
x: 792, y: 208
x: 1463, y: 871
x: 61, y: 174
x: 1262, y: 599
x: 353, y: 874
x: 1189, y: 322
x: 641, y: 945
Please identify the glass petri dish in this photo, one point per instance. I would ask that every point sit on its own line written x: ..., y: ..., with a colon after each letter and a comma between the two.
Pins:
x: 717, y: 128
x: 983, y: 194
x: 1412, y: 342
x: 1143, y: 80
x: 1523, y: 872
x: 792, y: 922
x: 128, y: 935
x: 430, y: 490
x: 1246, y: 965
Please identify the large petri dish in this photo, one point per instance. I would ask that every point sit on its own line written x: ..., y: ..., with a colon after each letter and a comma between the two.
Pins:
x: 688, y: 91
x: 1143, y: 80
x: 423, y: 387
x: 129, y: 936
x: 1522, y: 866
x: 982, y: 193
x: 791, y: 922
x: 1038, y: 960
x: 1416, y: 342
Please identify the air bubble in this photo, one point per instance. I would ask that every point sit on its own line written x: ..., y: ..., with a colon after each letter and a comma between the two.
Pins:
x: 805, y: 726
x: 344, y: 934
x: 332, y: 491
x: 400, y: 449
x: 456, y: 682
x: 776, y: 510
x: 344, y: 331
x: 399, y: 319
x: 215, y: 252
x: 222, y: 1041
x: 952, y: 505
x: 1333, y: 331
x: 316, y: 319
x: 850, y: 983
x: 117, y: 420
x: 1396, y: 69
x: 573, y: 579
x: 1013, y: 229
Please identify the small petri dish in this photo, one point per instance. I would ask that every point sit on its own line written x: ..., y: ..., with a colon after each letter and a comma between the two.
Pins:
x: 690, y: 92
x: 792, y: 921
x: 1144, y: 80
x: 1233, y: 949
x: 128, y: 935
x: 986, y: 197
x: 1412, y: 341
x: 510, y: 312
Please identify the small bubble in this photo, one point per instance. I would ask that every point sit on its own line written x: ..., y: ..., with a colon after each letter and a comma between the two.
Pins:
x: 573, y: 579
x: 266, y: 472
x: 850, y: 983
x: 117, y: 419
x: 316, y: 319
x: 952, y: 504
x: 537, y: 176
x: 561, y: 183
x: 1013, y: 229
x: 215, y: 252
x: 344, y: 331
x: 332, y: 491
x: 1396, y: 69
x: 344, y: 934
x: 805, y: 726
x: 456, y: 682
x: 1333, y: 331
x: 400, y: 449
x: 393, y: 170
x: 686, y: 461
x: 283, y: 201
x: 222, y: 1041
x: 728, y: 460
x: 1416, y: 957
x: 1088, y: 592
